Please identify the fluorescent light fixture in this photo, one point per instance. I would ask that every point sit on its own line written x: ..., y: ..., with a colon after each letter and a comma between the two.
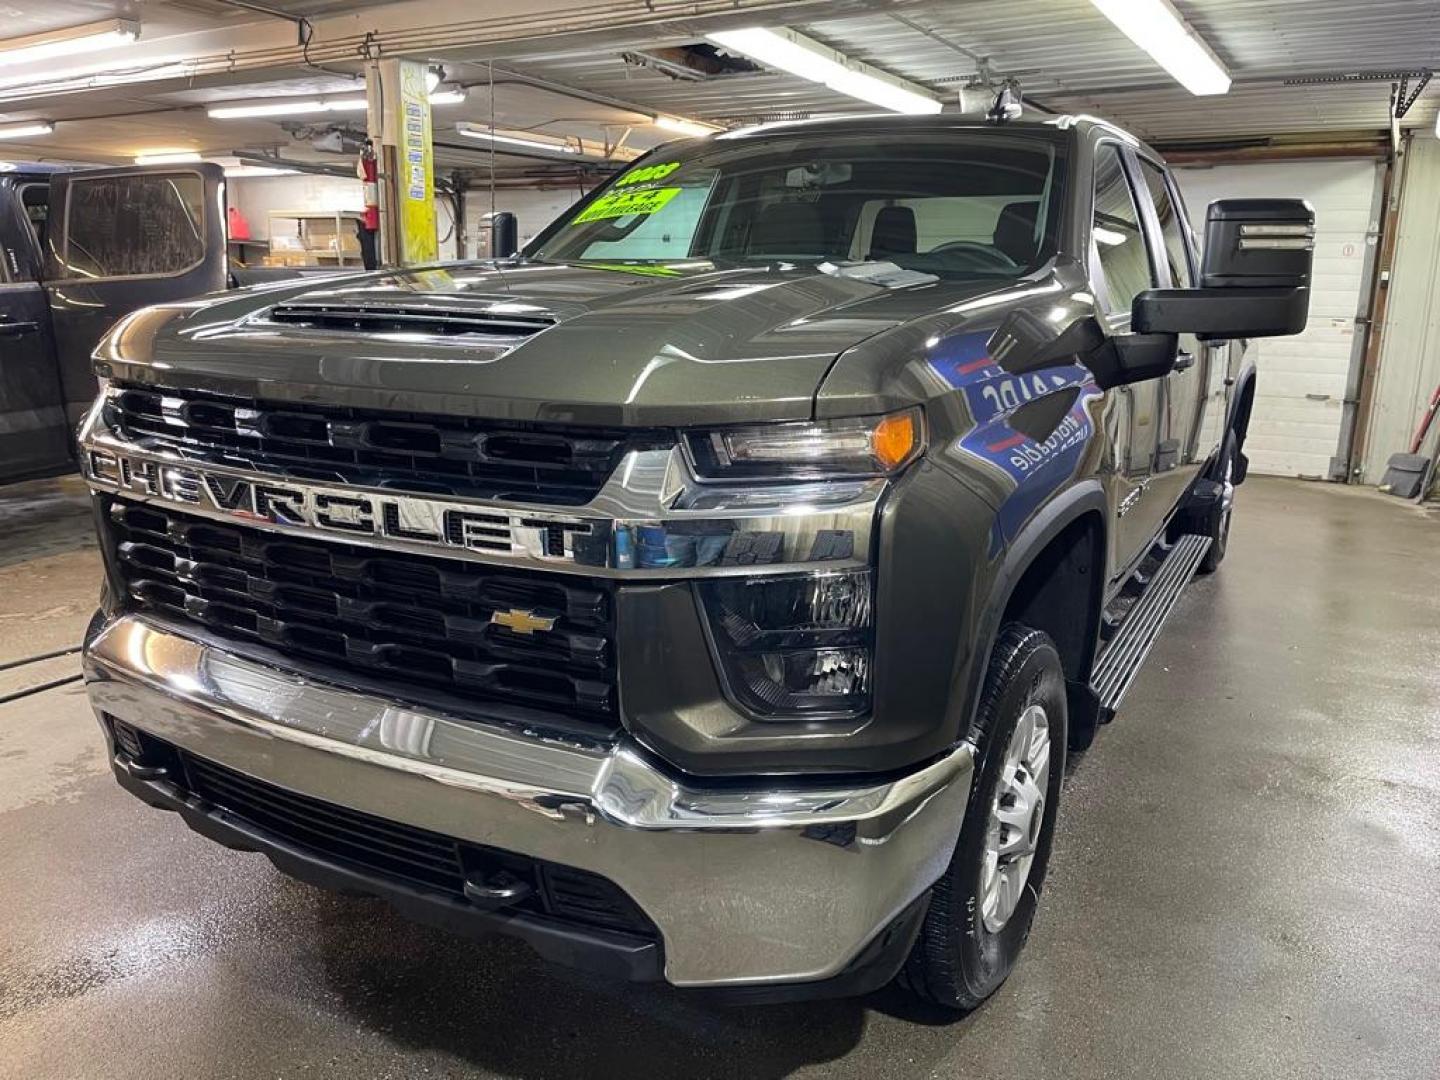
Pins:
x: 1437, y: 125
x: 253, y: 172
x: 26, y: 130
x: 311, y: 106
x: 287, y: 107
x: 554, y: 146
x: 681, y: 126
x: 1157, y: 27
x: 809, y: 59
x: 116, y: 70
x: 91, y: 37
x: 167, y: 157
x: 1108, y: 237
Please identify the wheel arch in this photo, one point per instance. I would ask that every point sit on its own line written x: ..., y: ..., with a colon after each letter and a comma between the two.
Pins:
x: 1056, y: 561
x: 1237, y: 418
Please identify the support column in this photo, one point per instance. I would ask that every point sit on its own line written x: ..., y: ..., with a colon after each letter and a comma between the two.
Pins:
x: 399, y: 123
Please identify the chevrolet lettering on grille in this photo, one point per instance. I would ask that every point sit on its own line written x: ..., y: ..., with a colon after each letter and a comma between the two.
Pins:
x: 349, y: 513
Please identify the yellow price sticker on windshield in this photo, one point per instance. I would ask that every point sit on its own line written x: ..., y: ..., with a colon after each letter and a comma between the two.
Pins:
x: 624, y: 203
x: 647, y: 174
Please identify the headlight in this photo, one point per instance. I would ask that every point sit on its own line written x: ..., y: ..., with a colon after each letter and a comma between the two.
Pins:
x: 856, y: 446
x: 796, y: 645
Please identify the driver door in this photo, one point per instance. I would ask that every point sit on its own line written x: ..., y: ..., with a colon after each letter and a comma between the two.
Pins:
x: 34, y: 436
x: 1121, y: 267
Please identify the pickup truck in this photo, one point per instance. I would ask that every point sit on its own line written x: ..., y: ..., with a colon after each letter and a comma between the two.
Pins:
x: 79, y: 248
x: 709, y: 593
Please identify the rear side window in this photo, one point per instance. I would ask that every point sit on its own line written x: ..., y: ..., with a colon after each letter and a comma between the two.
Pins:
x: 1119, y: 242
x: 132, y: 226
x: 1175, y: 253
x: 35, y: 199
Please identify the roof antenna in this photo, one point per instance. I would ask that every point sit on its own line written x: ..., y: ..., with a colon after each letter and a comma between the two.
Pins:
x: 1008, y: 103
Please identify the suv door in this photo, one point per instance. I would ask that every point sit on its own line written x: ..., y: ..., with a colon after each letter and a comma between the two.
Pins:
x: 1180, y: 453
x: 34, y: 434
x: 1121, y: 267
x: 121, y: 239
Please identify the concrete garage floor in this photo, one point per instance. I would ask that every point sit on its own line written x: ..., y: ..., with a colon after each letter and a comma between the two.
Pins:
x: 1245, y: 881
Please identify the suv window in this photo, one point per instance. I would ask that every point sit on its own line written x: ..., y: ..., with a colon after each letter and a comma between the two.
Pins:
x: 1175, y: 253
x: 35, y: 198
x: 1118, y: 239
x: 131, y: 226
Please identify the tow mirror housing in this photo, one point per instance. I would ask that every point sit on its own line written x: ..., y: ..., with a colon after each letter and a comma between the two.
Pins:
x: 1024, y: 342
x: 1255, y: 281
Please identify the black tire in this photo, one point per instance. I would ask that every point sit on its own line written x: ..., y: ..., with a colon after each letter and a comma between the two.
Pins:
x: 1219, y: 528
x: 957, y: 961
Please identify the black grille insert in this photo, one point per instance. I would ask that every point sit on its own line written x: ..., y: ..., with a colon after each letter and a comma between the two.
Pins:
x: 392, y: 850
x: 416, y: 622
x: 560, y: 465
x: 392, y: 318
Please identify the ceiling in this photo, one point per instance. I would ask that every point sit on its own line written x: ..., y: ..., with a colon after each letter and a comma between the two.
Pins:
x: 561, y: 66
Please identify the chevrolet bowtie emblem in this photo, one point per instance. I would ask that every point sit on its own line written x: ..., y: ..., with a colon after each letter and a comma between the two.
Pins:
x: 523, y: 622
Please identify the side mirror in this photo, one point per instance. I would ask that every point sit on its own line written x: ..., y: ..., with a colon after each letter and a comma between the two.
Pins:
x: 1023, y: 342
x: 1132, y: 358
x: 1256, y: 276
x: 504, y: 238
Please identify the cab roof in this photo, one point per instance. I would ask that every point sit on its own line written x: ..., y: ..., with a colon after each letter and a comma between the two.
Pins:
x: 866, y: 122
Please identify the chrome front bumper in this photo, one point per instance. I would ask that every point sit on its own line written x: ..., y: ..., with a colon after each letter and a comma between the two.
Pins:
x: 763, y: 884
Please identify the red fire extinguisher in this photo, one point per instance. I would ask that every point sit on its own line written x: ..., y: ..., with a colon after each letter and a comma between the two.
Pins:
x: 370, y: 221
x: 370, y: 177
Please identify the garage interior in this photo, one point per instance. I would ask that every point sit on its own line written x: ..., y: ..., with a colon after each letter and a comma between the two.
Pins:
x: 1248, y: 861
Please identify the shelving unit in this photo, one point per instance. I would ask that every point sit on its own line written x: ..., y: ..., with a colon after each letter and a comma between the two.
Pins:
x: 311, y: 238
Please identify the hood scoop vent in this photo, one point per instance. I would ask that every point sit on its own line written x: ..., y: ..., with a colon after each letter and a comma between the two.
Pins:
x: 442, y: 322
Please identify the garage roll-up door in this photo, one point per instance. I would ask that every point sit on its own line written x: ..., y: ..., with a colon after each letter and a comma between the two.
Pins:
x: 1299, y: 399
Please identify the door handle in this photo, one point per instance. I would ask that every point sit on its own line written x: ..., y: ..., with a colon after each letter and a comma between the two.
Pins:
x: 1184, y: 360
x: 15, y: 329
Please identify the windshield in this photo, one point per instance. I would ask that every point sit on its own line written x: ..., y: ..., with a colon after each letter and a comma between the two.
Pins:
x: 960, y: 205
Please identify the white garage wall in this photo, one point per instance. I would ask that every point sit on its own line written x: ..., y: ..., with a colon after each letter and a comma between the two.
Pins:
x: 534, y: 208
x: 257, y: 197
x: 1300, y: 392
x: 1410, y: 341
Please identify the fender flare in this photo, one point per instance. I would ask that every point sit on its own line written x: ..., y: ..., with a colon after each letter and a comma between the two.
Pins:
x: 1234, y: 421
x: 1020, y: 553
x: 1243, y: 382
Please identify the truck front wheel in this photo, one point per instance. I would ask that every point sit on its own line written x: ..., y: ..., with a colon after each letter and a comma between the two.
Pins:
x: 981, y: 909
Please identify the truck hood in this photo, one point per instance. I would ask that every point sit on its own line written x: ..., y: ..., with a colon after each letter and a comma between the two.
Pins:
x: 634, y: 346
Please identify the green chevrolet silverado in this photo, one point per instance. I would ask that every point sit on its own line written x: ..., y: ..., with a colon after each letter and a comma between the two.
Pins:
x: 710, y: 592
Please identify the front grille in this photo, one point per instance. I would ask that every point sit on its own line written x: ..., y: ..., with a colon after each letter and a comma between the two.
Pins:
x: 391, y: 850
x: 560, y: 465
x: 416, y: 622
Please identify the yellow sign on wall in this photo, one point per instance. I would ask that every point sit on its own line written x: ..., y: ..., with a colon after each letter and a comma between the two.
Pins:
x: 414, y: 162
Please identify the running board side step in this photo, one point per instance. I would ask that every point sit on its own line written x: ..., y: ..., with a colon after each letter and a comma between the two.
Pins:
x: 1125, y: 653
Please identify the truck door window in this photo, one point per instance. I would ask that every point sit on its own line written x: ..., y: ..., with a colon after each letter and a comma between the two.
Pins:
x: 1116, y: 233
x: 35, y: 199
x: 1175, y: 253
x: 143, y: 225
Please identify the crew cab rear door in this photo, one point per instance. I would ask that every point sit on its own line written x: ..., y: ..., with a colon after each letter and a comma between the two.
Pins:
x: 121, y: 239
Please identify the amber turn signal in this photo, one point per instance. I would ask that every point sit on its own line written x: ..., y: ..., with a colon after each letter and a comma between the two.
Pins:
x: 894, y: 439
